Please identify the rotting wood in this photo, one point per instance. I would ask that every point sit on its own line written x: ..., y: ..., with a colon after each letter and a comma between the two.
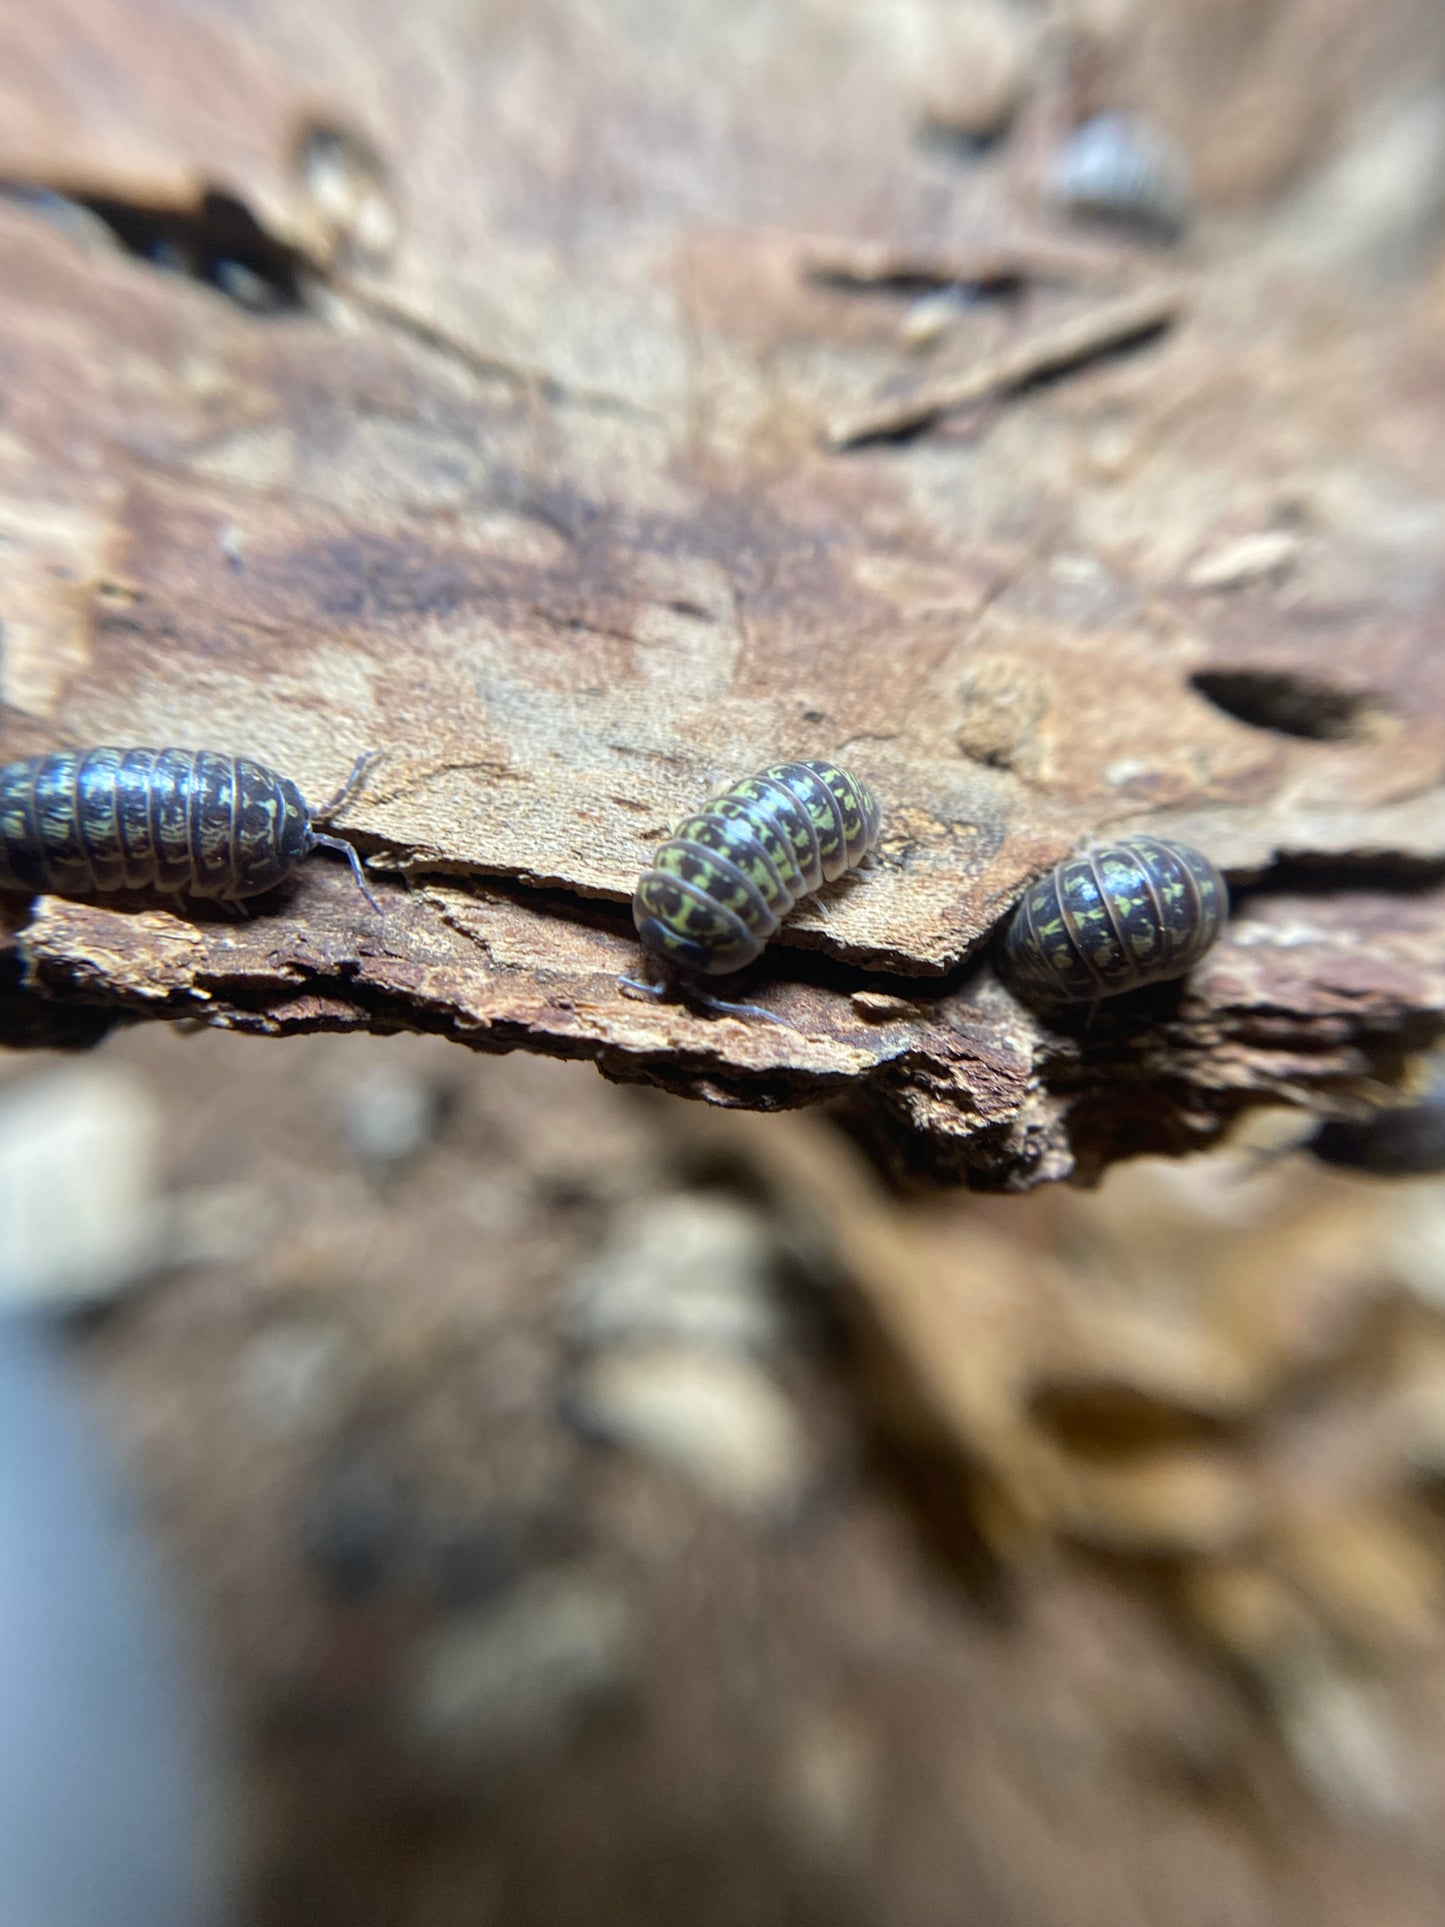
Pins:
x: 546, y: 518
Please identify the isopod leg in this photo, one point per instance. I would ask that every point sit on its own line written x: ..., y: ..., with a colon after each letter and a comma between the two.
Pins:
x: 655, y: 991
x: 726, y: 1009
x: 694, y: 995
x: 340, y: 843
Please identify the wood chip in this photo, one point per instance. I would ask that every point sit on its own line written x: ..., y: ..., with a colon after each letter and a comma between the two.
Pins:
x: 1015, y: 261
x: 1252, y: 558
x: 1051, y: 350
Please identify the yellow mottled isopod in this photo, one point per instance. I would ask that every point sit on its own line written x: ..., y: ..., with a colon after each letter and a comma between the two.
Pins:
x: 722, y: 883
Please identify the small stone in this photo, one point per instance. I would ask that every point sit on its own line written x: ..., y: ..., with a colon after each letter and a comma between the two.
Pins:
x: 247, y: 288
x: 1342, y: 1742
x: 926, y: 321
x: 293, y: 1377
x: 499, y: 1689
x: 1125, y: 771
x: 80, y: 1210
x: 878, y: 1006
x: 719, y: 1421
x: 829, y: 1785
x: 231, y: 541
x: 71, y: 218
x: 977, y: 65
x: 694, y: 1266
x: 1253, y: 558
x: 391, y: 1116
x: 346, y: 181
x: 1414, y: 1240
x: 1334, y: 1727
x: 218, y: 1224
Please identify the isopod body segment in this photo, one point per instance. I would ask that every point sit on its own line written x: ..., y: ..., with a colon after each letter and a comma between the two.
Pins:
x: 1138, y: 910
x: 719, y: 887
x: 177, y: 821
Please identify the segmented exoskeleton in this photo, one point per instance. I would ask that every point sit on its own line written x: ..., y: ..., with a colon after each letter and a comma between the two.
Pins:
x: 723, y: 882
x: 189, y: 822
x: 1135, y: 911
x: 1122, y: 171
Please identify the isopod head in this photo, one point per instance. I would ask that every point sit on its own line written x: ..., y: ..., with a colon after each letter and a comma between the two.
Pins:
x: 273, y: 829
x: 1138, y: 910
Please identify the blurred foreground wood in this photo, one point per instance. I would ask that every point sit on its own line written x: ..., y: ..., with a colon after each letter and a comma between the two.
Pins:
x: 484, y: 422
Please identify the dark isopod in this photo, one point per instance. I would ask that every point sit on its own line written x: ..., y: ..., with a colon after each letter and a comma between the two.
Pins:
x: 188, y: 822
x: 1136, y: 911
x: 1397, y: 1141
x: 723, y: 882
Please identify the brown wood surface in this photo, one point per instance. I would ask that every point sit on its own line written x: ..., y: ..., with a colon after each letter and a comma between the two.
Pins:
x: 533, y: 493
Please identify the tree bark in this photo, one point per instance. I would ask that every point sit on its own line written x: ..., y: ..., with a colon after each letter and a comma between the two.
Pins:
x: 456, y: 381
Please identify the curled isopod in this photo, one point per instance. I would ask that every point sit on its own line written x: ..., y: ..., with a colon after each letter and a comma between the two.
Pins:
x: 184, y: 822
x: 722, y: 883
x: 1136, y: 911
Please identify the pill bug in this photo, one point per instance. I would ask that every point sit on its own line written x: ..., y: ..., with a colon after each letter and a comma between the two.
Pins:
x: 1119, y: 170
x: 1135, y: 911
x: 189, y: 822
x: 1397, y: 1141
x: 719, y: 887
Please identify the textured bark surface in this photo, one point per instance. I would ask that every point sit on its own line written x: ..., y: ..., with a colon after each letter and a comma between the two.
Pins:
x: 513, y: 462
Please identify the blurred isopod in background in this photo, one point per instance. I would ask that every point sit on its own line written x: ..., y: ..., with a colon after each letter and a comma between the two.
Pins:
x: 1124, y: 173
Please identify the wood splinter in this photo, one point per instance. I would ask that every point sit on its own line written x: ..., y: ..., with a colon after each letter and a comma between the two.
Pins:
x: 1015, y: 262
x: 1053, y: 350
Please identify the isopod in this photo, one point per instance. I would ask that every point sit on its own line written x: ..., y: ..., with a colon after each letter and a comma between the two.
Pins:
x: 1136, y: 911
x: 1397, y: 1141
x: 1122, y: 171
x: 720, y: 886
x: 190, y: 822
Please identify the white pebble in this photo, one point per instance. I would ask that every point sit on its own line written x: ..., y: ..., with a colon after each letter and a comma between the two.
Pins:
x: 1251, y: 558
x: 390, y: 1115
x: 80, y: 1214
x: 720, y: 1421
x: 500, y: 1688
x: 294, y: 1376
x: 927, y: 320
x: 693, y: 1267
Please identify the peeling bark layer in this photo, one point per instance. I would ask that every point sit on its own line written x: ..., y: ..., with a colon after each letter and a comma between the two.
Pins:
x: 482, y: 418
